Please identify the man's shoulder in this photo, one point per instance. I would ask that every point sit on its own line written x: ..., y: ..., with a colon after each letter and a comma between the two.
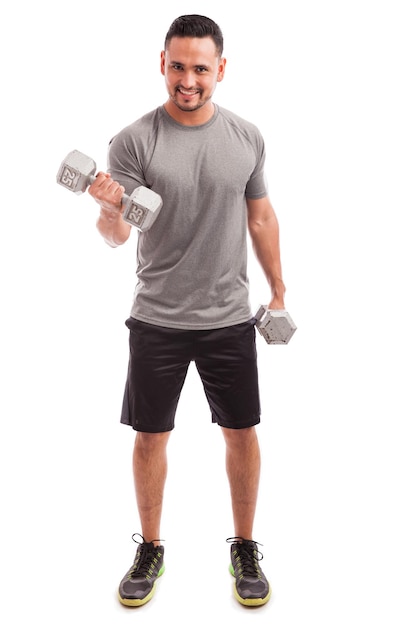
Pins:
x: 237, y: 121
x: 146, y: 122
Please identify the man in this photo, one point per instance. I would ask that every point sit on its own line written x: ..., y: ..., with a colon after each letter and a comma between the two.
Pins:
x: 191, y: 299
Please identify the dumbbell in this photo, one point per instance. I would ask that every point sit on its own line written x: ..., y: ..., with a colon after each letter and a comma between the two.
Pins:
x: 141, y: 207
x: 275, y: 326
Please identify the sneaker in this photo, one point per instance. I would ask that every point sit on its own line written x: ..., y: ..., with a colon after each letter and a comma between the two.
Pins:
x: 251, y: 587
x: 138, y: 585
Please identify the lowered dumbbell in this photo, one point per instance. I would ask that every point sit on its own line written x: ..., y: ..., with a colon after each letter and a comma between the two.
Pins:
x: 275, y: 326
x: 141, y: 207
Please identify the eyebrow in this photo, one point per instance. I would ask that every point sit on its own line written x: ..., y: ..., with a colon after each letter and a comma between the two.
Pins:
x: 195, y: 66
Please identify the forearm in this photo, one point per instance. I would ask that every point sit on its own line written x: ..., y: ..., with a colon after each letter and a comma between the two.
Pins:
x: 111, y: 226
x: 265, y: 240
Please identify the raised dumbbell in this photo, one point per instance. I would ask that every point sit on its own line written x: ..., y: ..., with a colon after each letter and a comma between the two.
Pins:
x: 77, y: 172
x: 275, y: 326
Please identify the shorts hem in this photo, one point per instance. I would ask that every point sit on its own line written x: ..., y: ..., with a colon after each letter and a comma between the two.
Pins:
x: 144, y: 429
x: 240, y: 426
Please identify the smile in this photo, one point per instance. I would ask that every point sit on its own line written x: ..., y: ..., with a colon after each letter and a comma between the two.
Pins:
x: 188, y: 92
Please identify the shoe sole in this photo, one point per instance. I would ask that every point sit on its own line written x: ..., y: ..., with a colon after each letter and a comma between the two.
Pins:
x: 141, y: 602
x: 248, y: 601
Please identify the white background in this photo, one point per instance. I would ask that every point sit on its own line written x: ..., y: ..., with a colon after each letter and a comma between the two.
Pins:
x: 332, y: 86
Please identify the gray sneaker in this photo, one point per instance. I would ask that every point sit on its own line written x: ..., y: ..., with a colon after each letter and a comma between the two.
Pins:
x: 138, y: 585
x: 251, y: 586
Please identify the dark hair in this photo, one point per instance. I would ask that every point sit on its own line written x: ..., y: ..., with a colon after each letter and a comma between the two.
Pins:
x: 195, y: 26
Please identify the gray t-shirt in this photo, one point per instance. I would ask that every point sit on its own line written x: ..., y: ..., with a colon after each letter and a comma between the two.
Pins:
x: 192, y: 262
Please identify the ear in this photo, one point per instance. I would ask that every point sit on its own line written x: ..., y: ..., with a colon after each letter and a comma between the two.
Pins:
x: 163, y: 63
x: 221, y: 69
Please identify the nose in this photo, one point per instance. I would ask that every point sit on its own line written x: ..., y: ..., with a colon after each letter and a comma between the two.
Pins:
x: 187, y: 79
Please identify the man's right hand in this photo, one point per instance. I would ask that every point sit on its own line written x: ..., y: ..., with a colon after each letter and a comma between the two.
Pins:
x: 110, y: 224
x: 108, y: 194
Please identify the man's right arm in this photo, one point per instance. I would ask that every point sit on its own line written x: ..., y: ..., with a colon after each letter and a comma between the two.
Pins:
x: 110, y: 224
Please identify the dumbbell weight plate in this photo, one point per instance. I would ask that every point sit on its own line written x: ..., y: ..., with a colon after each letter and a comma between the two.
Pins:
x: 275, y: 326
x: 76, y: 172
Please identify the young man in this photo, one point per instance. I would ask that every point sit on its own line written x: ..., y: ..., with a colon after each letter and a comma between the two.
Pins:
x: 191, y: 299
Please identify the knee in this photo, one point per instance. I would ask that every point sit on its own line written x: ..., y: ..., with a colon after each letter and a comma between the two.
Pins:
x: 151, y: 443
x: 240, y: 437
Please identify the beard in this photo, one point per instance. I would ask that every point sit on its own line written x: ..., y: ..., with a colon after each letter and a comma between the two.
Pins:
x: 190, y: 104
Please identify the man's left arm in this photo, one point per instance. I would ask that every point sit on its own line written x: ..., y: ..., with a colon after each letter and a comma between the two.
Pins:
x: 264, y: 231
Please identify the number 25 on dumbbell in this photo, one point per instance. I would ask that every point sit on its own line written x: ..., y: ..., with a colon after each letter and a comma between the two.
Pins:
x: 141, y: 207
x: 275, y: 326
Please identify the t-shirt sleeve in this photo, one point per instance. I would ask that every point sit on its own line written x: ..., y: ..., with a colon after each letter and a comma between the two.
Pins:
x: 257, y: 187
x: 123, y: 163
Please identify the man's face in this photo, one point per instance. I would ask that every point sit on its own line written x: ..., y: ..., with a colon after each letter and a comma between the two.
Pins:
x: 192, y: 69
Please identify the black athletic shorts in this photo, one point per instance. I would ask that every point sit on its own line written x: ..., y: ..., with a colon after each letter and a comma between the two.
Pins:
x: 225, y: 359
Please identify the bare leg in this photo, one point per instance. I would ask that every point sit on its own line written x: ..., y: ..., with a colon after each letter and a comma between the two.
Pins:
x: 243, y: 464
x: 150, y: 471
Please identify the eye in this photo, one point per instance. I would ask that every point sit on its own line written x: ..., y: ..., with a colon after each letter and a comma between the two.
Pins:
x: 176, y: 66
x: 201, y: 69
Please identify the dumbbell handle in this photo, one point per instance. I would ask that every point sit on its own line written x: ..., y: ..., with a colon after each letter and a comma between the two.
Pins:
x: 125, y: 197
